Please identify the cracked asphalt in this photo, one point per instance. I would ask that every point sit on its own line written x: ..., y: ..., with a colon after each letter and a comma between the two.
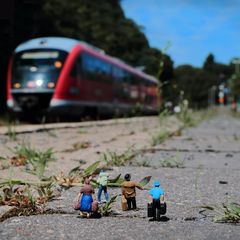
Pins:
x: 211, y: 174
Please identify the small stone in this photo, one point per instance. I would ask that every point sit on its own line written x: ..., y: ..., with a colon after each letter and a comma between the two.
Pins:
x: 223, y: 182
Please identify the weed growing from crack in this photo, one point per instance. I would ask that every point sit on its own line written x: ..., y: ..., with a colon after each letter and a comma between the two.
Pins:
x: 78, y: 145
x: 225, y: 213
x: 144, y: 163
x: 11, y: 131
x: 172, y: 162
x: 106, y: 208
x: 159, y: 138
x: 112, y: 158
x: 163, y: 115
x: 35, y: 160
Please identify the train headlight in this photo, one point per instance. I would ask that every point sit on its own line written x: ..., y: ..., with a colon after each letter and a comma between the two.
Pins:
x: 57, y: 64
x: 30, y: 84
x: 39, y: 82
x: 16, y: 85
x: 51, y: 85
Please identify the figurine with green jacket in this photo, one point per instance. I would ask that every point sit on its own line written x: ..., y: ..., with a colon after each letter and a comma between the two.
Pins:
x: 103, y: 182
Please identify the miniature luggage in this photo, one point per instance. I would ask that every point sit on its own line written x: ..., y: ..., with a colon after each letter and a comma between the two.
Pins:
x: 124, y: 203
x: 94, y: 206
x: 150, y: 210
x: 76, y: 205
x: 163, y: 208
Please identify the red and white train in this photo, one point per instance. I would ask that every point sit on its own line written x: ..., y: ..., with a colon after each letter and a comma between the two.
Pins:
x: 65, y: 76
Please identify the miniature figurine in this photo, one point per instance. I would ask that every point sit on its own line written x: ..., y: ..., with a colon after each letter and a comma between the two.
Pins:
x: 156, y: 196
x: 129, y: 192
x: 102, y: 181
x: 87, y: 199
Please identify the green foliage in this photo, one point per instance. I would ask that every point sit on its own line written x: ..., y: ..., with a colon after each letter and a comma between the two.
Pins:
x: 229, y: 212
x: 163, y: 115
x: 112, y: 158
x: 12, y: 131
x: 172, y: 162
x: 91, y: 169
x: 106, y: 208
x: 145, y: 181
x: 185, y: 115
x: 159, y: 137
x: 36, y: 159
x: 235, y: 86
x: 78, y: 145
x: 105, y: 26
x: 144, y: 163
x: 196, y: 82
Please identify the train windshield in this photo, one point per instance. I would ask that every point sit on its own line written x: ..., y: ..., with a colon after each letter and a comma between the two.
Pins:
x: 37, y: 68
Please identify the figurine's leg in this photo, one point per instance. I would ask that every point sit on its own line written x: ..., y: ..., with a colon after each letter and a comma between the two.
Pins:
x: 105, y: 193
x: 99, y: 193
x: 129, y: 200
x: 134, y: 203
x: 158, y: 214
x: 154, y: 209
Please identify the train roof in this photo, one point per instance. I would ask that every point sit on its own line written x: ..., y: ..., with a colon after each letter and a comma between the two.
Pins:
x: 67, y: 44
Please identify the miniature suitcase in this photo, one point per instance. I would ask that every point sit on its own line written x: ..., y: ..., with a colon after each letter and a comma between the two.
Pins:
x: 124, y: 203
x: 163, y: 208
x: 76, y: 205
x: 150, y: 210
x: 94, y: 206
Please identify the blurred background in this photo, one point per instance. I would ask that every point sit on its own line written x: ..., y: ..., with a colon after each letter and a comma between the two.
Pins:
x: 191, y: 47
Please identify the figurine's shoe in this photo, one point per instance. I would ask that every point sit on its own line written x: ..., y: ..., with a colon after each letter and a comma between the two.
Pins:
x: 152, y: 219
x: 81, y: 214
x: 136, y: 209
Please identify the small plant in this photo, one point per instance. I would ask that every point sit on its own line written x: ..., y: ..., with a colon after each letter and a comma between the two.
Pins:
x: 45, y: 193
x: 236, y: 137
x: 11, y: 131
x: 115, y: 159
x: 78, y: 145
x: 76, y: 176
x: 52, y: 133
x: 229, y: 213
x: 106, y: 208
x: 35, y: 159
x: 144, y: 163
x: 159, y: 138
x: 4, y: 163
x: 172, y: 162
x: 145, y: 181
x: 82, y: 131
x: 185, y: 115
x: 163, y: 115
x: 19, y: 197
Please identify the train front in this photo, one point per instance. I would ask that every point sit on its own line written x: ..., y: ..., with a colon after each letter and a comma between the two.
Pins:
x: 32, y: 79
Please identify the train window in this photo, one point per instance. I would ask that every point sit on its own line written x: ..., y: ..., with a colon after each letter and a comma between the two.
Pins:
x: 88, y: 66
x: 118, y: 74
x: 96, y: 69
x: 74, y: 70
x: 77, y: 68
x: 38, y: 64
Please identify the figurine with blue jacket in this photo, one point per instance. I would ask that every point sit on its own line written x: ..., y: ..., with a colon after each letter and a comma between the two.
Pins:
x: 103, y: 182
x: 157, y: 199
